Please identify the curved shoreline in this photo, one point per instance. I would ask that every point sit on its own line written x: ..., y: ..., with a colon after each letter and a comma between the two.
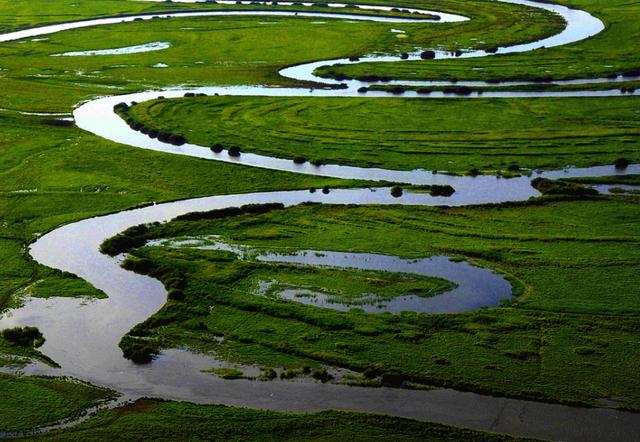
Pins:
x: 85, y: 344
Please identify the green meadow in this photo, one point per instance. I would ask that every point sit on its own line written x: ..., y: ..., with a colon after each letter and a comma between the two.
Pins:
x: 396, y: 133
x: 614, y: 51
x: 573, y: 263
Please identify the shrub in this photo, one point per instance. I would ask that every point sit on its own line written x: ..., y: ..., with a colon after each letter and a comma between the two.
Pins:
x: 131, y: 238
x: 234, y: 151
x: 371, y: 372
x: 354, y: 58
x: 621, y: 163
x: 632, y: 73
x: 121, y: 107
x: 458, y: 90
x: 396, y: 90
x: 267, y: 374
x: 428, y: 55
x: 299, y: 160
x: 556, y: 187
x: 289, y: 374
x: 58, y: 122
x: 175, y: 295
x: 491, y: 50
x: 255, y: 209
x: 138, y: 351
x: 177, y: 140
x: 404, y: 56
x: 396, y: 191
x: 513, y: 168
x: 326, y: 190
x: 24, y: 336
x: 442, y: 190
x: 217, y: 148
x: 362, y: 90
x: 321, y: 374
x: 474, y: 172
x: 392, y: 379
x: 164, y: 136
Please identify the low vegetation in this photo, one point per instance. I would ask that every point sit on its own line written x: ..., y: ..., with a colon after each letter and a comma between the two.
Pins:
x: 23, y: 336
x: 169, y: 421
x: 32, y: 402
x: 410, y: 134
x: 557, y: 253
x: 557, y: 187
x: 602, y: 56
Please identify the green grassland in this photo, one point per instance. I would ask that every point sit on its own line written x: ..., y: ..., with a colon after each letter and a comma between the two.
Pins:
x: 52, y: 175
x: 351, y: 287
x: 396, y: 133
x: 573, y: 265
x: 169, y: 421
x: 29, y: 402
x: 239, y: 50
x: 599, y: 56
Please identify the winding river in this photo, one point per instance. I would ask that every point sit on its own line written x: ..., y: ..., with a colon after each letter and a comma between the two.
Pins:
x: 82, y: 336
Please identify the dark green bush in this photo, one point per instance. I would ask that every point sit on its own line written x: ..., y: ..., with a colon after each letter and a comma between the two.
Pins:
x: 396, y: 191
x: 622, y: 163
x: 231, y: 211
x: 217, y: 148
x: 322, y: 375
x: 24, y: 336
x: 131, y: 238
x: 58, y: 122
x: 557, y: 187
x: 428, y: 55
x: 175, y: 295
x: 139, y: 351
x: 442, y: 190
x: 392, y: 379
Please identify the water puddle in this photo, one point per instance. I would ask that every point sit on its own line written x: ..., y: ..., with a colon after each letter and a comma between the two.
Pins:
x: 148, y: 47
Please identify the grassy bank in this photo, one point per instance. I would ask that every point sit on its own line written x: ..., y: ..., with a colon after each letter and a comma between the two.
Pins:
x: 559, y: 254
x: 598, y: 56
x: 31, y: 402
x: 163, y: 420
x: 450, y: 135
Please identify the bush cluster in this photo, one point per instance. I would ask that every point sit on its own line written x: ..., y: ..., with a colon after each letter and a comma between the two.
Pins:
x: 24, y: 336
x: 556, y: 187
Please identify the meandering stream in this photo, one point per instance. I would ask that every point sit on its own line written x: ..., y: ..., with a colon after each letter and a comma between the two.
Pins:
x: 82, y: 336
